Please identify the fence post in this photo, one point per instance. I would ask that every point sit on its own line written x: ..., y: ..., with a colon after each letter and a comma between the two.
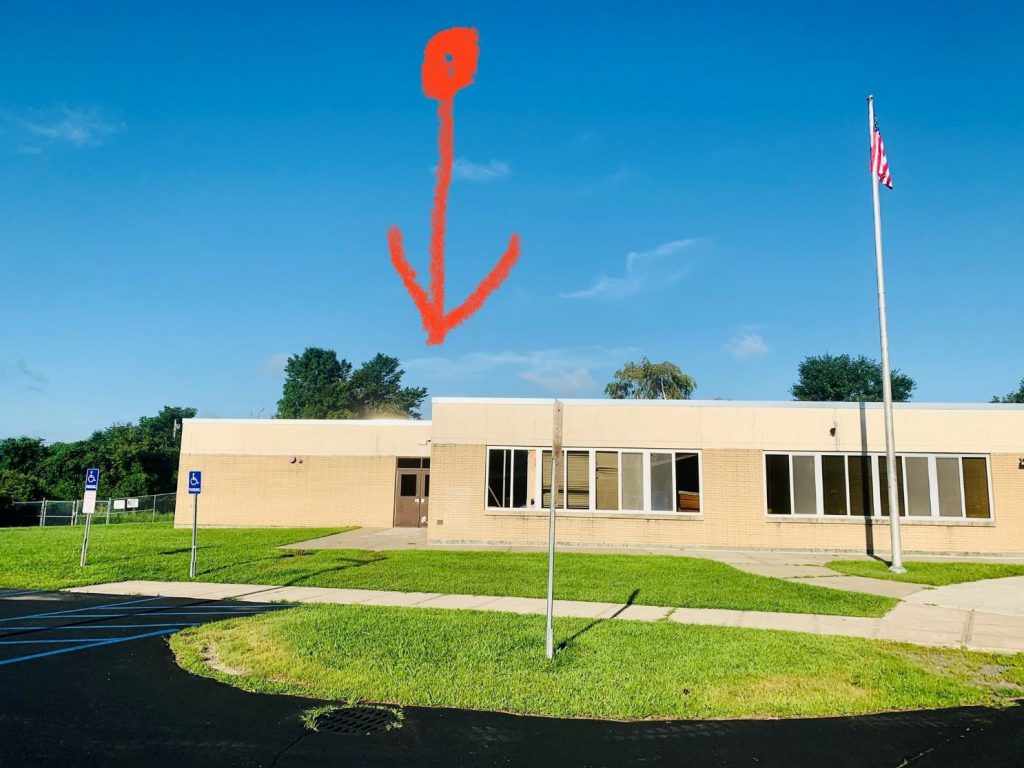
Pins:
x: 108, y: 512
x: 153, y: 519
x: 42, y: 515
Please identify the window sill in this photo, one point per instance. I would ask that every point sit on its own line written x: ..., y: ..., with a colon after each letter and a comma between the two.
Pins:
x: 846, y: 520
x: 589, y: 513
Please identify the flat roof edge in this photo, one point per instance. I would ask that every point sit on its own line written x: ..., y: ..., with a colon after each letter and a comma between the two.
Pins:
x: 361, y: 422
x: 727, y: 403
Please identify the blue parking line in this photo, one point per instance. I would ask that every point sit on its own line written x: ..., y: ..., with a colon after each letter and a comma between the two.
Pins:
x: 90, y: 644
x: 16, y: 630
x: 70, y: 640
x: 77, y: 610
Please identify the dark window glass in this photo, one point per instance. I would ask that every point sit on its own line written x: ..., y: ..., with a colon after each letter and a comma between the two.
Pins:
x: 407, y: 485
x: 499, y: 477
x: 777, y: 477
x: 861, y: 493
x: 883, y: 487
x: 976, y: 487
x: 426, y: 485
x: 409, y: 463
x: 833, y: 484
x: 687, y: 482
x: 425, y: 463
x: 520, y: 477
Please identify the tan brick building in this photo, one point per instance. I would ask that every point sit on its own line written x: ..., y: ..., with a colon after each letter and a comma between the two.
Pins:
x: 664, y: 473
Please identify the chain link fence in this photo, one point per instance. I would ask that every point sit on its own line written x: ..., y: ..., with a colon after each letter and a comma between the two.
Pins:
x: 154, y: 508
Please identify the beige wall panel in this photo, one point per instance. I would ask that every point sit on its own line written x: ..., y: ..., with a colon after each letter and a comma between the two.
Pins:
x: 284, y: 437
x: 721, y: 424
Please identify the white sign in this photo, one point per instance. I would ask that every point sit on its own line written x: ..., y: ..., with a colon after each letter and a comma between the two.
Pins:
x: 89, y: 503
x: 132, y: 503
x: 118, y: 503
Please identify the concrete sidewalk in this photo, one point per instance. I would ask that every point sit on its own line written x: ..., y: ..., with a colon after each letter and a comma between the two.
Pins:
x: 909, y: 622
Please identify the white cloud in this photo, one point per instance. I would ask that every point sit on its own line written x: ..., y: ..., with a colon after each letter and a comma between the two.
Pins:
x: 561, y: 370
x: 746, y: 346
x: 643, y: 269
x: 274, y: 365
x: 469, y: 171
x: 569, y: 382
x: 64, y: 126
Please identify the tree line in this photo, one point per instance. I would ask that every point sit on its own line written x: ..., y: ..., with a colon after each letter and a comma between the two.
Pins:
x: 134, y: 459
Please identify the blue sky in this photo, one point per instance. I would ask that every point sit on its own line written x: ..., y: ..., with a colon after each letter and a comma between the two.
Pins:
x: 191, y: 191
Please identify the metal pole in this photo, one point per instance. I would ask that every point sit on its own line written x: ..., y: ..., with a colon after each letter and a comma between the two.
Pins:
x: 85, y: 541
x: 42, y: 516
x: 108, y: 511
x: 195, y: 518
x: 556, y: 455
x: 890, y: 437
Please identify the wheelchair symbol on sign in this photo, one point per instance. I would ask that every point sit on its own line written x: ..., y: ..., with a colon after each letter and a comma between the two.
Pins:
x: 193, y: 480
x: 91, y: 478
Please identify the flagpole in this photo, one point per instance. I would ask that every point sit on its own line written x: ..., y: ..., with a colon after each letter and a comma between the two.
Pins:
x: 890, y: 438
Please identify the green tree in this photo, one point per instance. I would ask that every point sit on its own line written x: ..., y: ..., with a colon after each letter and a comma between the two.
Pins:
x: 1012, y: 397
x: 376, y: 390
x: 318, y: 385
x: 841, y: 378
x: 650, y: 381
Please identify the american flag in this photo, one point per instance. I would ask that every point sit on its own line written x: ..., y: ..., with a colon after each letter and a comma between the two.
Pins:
x: 879, y: 162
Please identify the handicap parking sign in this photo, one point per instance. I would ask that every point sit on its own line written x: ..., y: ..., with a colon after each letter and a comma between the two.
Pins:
x: 92, y: 479
x: 195, y: 481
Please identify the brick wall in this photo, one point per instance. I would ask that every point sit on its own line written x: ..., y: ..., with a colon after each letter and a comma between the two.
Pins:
x: 259, y: 491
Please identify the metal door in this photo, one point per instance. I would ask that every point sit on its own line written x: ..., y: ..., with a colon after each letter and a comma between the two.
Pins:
x: 412, y: 490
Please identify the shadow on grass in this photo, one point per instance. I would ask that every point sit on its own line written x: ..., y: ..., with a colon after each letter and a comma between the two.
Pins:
x: 569, y: 640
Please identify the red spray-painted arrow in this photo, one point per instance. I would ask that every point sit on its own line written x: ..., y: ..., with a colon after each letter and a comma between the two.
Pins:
x: 449, y: 63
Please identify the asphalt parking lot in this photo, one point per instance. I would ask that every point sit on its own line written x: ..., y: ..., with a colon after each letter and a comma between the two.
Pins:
x: 88, y: 680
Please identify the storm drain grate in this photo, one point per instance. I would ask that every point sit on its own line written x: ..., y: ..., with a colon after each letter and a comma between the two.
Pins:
x: 359, y: 720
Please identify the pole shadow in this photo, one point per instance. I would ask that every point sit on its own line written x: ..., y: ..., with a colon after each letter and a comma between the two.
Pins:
x: 569, y: 640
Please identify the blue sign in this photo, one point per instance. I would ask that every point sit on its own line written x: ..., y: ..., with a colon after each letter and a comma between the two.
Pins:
x: 92, y: 479
x: 195, y: 481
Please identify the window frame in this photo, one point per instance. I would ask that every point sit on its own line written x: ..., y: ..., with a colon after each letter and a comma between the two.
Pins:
x: 645, y: 453
x: 876, y: 487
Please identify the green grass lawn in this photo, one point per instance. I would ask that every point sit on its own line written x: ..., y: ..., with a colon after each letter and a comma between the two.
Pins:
x: 48, y: 559
x: 609, y: 669
x: 936, y: 574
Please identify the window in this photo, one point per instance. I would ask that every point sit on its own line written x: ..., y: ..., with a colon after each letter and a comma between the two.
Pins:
x: 577, y: 479
x: 883, y: 485
x: 976, y: 487
x: 777, y: 483
x: 606, y: 479
x: 509, y: 474
x: 919, y: 494
x: 833, y: 484
x: 632, y: 481
x: 929, y: 486
x: 600, y: 479
x: 861, y: 488
x: 687, y: 482
x: 805, y: 494
x: 661, y: 482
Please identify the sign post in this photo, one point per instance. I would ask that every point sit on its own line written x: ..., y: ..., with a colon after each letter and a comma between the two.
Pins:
x: 556, y: 464
x: 92, y: 483
x: 195, y: 487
